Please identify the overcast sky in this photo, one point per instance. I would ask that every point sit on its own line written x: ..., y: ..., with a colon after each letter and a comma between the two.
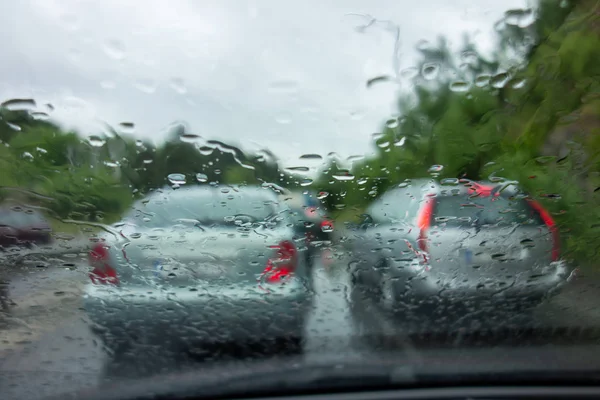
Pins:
x: 287, y: 75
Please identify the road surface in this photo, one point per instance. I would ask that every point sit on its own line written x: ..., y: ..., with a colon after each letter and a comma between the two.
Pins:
x: 46, y: 347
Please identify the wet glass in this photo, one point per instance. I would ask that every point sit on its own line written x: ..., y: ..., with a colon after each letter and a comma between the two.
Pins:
x: 259, y: 185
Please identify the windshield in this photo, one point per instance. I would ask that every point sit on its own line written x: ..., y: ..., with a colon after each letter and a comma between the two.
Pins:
x: 194, y: 185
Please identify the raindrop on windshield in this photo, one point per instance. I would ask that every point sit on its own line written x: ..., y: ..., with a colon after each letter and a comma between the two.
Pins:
x: 176, y: 179
x: 201, y: 177
x: 449, y: 181
x: 400, y: 142
x: 189, y: 137
x: 206, y: 150
x: 96, y: 141
x: 518, y: 83
x: 498, y: 81
x: 178, y: 85
x: 483, y: 80
x: 306, y: 182
x: 392, y: 123
x: 459, y: 86
x: 435, y: 168
x: 19, y: 105
x: 322, y: 195
x: 146, y: 85
x: 283, y: 86
x: 114, y: 49
x: 343, y: 176
x: 127, y: 127
x: 409, y: 73
x: 311, y: 157
x: 430, y: 71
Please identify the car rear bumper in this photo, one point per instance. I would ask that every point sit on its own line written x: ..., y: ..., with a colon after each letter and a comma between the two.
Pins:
x: 428, y: 288
x: 145, y: 316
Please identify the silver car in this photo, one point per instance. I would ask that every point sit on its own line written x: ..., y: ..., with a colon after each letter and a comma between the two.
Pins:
x: 426, y: 246
x: 190, y: 268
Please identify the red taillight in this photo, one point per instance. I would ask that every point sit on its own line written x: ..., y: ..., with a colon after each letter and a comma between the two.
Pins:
x: 549, y: 221
x: 280, y: 268
x: 424, y: 222
x: 326, y: 225
x: 102, y: 272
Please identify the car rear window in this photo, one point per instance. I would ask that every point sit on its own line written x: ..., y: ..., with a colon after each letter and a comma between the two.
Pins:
x: 208, y: 209
x: 490, y: 210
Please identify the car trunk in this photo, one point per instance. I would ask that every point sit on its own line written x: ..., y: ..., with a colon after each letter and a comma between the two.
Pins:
x: 487, y: 242
x: 183, y: 257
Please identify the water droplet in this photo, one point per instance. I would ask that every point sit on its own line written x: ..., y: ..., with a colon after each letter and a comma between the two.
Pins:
x: 112, y: 164
x: 518, y: 83
x: 40, y: 116
x: 74, y: 55
x: 430, y: 71
x: 435, y: 168
x: 206, y: 150
x: 176, y: 179
x: 459, y: 86
x: 96, y: 141
x: 114, y: 49
x: 519, y: 17
x: 378, y: 79
x: 146, y: 85
x: 306, y: 182
x: 297, y: 169
x: 127, y: 127
x: 383, y: 144
x: 469, y: 57
x: 283, y: 87
x: 109, y: 85
x: 392, y: 123
x: 284, y: 118
x: 483, y: 80
x: 499, y: 80
x: 409, y: 73
x: 201, y: 177
x: 423, y: 45
x: 322, y: 195
x: 178, y: 85
x: 311, y: 157
x: 28, y: 156
x: 347, y: 176
x: 449, y: 181
x: 189, y: 137
x: 148, y: 161
x: 19, y: 105
x: 400, y: 142
x: 362, y: 181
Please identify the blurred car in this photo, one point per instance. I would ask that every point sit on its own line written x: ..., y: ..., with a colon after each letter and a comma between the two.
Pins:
x: 425, y: 246
x: 194, y: 268
x: 309, y: 217
x: 23, y: 226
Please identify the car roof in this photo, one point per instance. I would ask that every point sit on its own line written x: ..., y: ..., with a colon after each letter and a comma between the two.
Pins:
x: 204, y: 191
x: 423, y: 187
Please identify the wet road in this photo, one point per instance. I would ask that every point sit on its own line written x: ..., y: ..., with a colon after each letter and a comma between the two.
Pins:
x: 46, y: 347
